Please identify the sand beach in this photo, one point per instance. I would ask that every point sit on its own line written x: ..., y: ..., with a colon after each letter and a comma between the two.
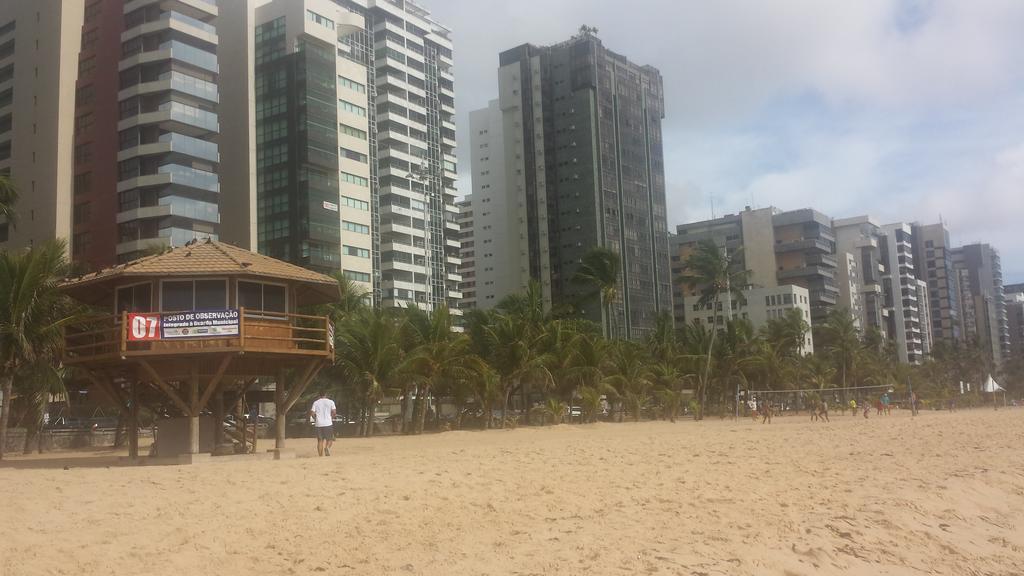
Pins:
x: 940, y: 493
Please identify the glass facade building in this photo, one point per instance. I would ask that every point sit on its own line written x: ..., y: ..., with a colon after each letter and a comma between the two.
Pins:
x: 167, y: 182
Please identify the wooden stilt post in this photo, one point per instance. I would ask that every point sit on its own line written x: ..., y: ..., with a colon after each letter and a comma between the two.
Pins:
x: 280, y: 410
x: 218, y: 417
x: 193, y: 416
x: 133, y: 422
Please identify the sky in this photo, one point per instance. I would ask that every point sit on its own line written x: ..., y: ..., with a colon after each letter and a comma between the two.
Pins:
x: 907, y: 110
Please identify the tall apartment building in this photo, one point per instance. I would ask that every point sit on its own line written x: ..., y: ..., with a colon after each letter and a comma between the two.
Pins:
x: 312, y: 152
x: 498, y: 268
x: 94, y: 231
x: 859, y: 237
x: 982, y: 270
x: 412, y: 119
x: 1015, y: 318
x: 901, y: 290
x: 467, y: 254
x: 583, y: 151
x: 933, y: 259
x: 168, y: 186
x: 795, y: 248
x: 39, y: 65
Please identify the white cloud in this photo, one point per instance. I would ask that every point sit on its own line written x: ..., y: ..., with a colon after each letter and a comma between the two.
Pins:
x: 900, y: 108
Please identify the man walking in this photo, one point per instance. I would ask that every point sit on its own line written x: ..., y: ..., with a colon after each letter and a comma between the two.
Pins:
x: 323, y: 413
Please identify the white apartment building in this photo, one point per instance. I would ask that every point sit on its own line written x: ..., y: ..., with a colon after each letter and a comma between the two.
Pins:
x: 901, y: 288
x: 759, y: 305
x: 500, y: 267
x: 392, y: 196
x: 858, y: 237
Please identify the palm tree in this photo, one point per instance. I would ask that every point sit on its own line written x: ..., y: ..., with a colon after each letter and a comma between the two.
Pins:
x: 629, y: 374
x: 516, y: 355
x: 583, y: 365
x: 590, y: 398
x: 788, y: 331
x: 840, y: 339
x: 40, y: 381
x: 8, y: 198
x: 553, y: 408
x: 368, y: 354
x: 599, y: 269
x: 351, y: 299
x: 441, y: 356
x: 710, y: 270
x: 33, y: 312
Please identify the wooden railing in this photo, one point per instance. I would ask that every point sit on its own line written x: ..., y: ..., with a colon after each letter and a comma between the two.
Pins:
x: 105, y: 337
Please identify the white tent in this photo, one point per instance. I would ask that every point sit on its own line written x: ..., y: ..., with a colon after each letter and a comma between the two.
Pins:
x: 992, y: 386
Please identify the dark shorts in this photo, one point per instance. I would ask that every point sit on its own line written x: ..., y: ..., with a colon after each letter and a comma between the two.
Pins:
x: 325, y: 432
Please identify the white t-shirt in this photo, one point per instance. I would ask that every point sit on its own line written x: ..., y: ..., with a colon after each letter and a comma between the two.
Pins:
x: 322, y: 409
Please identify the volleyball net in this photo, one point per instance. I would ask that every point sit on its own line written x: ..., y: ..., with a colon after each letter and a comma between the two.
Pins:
x: 808, y: 398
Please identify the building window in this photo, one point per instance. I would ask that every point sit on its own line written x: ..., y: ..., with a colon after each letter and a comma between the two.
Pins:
x: 352, y: 84
x: 321, y: 20
x: 354, y: 132
x: 353, y: 203
x: 347, y: 106
x: 262, y: 296
x: 356, y: 276
x: 354, y: 227
x: 83, y: 122
x: 353, y: 179
x: 86, y: 66
x: 353, y: 251
x: 83, y: 183
x: 83, y: 153
x: 353, y: 155
x: 134, y: 298
x: 82, y: 212
x: 92, y: 10
x: 188, y: 295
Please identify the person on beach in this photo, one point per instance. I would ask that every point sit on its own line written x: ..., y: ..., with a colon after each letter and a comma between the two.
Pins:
x: 878, y: 407
x: 820, y: 411
x: 886, y: 409
x: 767, y: 408
x: 853, y: 407
x: 323, y: 413
x: 867, y: 409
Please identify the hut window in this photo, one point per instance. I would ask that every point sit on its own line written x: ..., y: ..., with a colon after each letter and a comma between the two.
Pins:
x: 260, y: 296
x: 135, y: 298
x: 181, y: 295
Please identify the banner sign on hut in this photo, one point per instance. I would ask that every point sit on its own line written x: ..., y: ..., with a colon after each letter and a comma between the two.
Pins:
x: 199, y: 324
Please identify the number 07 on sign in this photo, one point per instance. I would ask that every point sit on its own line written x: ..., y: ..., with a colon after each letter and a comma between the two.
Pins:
x: 143, y: 327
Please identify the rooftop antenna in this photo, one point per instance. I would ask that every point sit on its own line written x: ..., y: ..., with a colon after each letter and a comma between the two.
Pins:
x: 712, y: 199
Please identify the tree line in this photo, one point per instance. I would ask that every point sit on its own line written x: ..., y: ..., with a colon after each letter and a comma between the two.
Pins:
x: 550, y: 360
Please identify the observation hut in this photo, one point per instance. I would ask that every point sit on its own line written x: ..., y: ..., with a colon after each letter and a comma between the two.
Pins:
x: 184, y: 330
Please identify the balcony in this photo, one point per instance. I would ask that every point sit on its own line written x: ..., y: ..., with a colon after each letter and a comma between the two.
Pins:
x: 105, y: 338
x: 175, y: 21
x: 173, y: 50
x: 805, y: 271
x: 802, y: 245
x: 173, y: 143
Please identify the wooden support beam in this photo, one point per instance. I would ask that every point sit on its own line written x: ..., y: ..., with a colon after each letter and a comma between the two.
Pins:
x: 214, y: 383
x: 133, y: 422
x: 193, y: 418
x: 165, y: 388
x: 104, y: 383
x: 299, y: 385
x: 281, y: 411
